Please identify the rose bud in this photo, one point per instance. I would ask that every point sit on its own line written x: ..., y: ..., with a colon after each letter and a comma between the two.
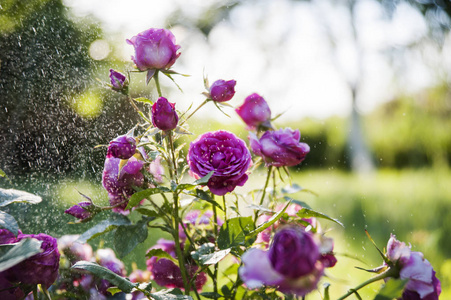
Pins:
x: 221, y: 90
x: 41, y: 268
x: 292, y: 263
x: 164, y: 116
x: 280, y: 148
x: 255, y: 112
x: 79, y: 212
x: 225, y: 154
x: 122, y: 147
x: 155, y: 49
x: 119, y: 81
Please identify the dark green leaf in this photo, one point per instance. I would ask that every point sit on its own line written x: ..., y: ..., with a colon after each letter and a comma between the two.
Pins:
x: 127, y: 237
x: 166, y: 295
x: 204, y: 249
x: 204, y: 196
x: 148, y: 212
x: 8, y: 196
x: 392, y: 289
x: 103, y: 227
x: 19, y: 252
x: 204, y: 180
x: 308, y: 213
x: 268, y: 223
x: 8, y: 222
x: 122, y: 283
x: 211, y: 295
x: 173, y: 186
x: 137, y: 197
x: 234, y: 231
x: 161, y: 254
x: 143, y: 100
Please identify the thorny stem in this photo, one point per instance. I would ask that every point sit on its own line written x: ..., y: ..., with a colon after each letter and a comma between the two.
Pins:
x: 157, y: 83
x: 215, y: 226
x: 264, y: 192
x: 202, y: 104
x: 391, y: 272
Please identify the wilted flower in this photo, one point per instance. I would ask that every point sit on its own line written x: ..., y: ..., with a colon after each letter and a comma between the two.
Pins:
x: 119, y: 81
x: 422, y: 284
x: 255, y: 112
x: 168, y: 274
x: 78, y: 210
x: 122, y: 147
x: 41, y: 268
x: 164, y: 116
x: 154, y: 49
x: 221, y: 90
x: 280, y: 148
x: 293, y: 263
x: 225, y: 154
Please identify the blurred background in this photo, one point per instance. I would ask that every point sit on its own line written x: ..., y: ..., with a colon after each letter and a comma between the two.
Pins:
x: 365, y: 81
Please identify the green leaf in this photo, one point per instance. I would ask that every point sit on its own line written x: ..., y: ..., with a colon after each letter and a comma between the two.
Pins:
x: 166, y: 295
x: 122, y: 283
x: 204, y: 180
x: 19, y: 252
x: 8, y: 222
x: 139, y: 196
x: 392, y: 289
x: 3, y: 174
x: 181, y: 130
x: 308, y: 213
x: 268, y: 223
x: 260, y: 208
x: 127, y: 237
x: 215, y: 257
x: 204, y: 249
x: 103, y: 227
x: 198, y: 193
x: 326, y: 291
x: 161, y: 254
x: 114, y: 290
x: 8, y: 196
x: 148, y: 212
x: 211, y: 295
x: 143, y: 100
x: 234, y: 231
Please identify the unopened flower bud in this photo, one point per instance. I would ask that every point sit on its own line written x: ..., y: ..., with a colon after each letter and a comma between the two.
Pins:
x: 255, y: 112
x: 119, y: 81
x: 221, y: 90
x: 78, y: 210
x: 122, y: 147
x: 164, y: 116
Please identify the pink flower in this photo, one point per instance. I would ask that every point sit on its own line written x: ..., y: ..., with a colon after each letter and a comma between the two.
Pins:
x: 422, y: 284
x: 225, y: 154
x: 221, y: 90
x: 280, y: 148
x: 255, y: 112
x: 155, y: 49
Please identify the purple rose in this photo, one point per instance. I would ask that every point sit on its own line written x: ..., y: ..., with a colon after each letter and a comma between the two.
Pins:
x: 422, y: 283
x: 119, y: 184
x: 293, y: 263
x: 168, y: 274
x: 164, y: 116
x: 225, y: 154
x: 118, y: 80
x: 78, y: 211
x: 154, y: 49
x: 7, y: 237
x: 221, y: 90
x: 122, y: 147
x: 255, y: 112
x: 41, y: 268
x: 280, y: 148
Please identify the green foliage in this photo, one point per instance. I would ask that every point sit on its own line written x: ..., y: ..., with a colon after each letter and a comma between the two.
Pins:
x: 122, y: 283
x: 234, y: 231
x: 8, y: 196
x: 127, y: 237
x: 19, y: 252
x: 391, y: 290
x: 103, y: 227
x: 8, y: 222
